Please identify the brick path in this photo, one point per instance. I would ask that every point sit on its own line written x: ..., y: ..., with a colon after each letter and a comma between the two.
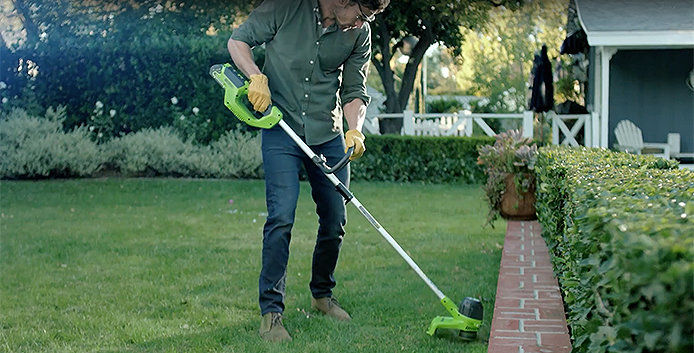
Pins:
x: 529, y: 312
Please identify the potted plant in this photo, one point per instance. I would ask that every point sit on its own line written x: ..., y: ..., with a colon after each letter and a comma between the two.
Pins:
x: 509, y: 165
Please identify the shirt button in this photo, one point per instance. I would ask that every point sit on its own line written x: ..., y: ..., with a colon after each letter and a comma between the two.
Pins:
x: 317, y: 42
x: 305, y: 95
x: 311, y: 62
x: 306, y: 79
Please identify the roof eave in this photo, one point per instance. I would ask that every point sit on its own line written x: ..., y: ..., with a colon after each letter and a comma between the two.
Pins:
x: 659, y: 39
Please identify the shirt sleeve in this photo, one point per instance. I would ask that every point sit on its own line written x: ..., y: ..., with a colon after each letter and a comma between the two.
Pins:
x: 261, y: 25
x: 356, y: 68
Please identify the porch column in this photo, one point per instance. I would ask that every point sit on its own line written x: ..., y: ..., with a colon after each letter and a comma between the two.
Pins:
x: 606, y: 54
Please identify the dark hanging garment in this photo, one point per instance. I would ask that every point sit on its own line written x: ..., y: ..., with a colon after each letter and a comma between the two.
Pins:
x: 542, y: 96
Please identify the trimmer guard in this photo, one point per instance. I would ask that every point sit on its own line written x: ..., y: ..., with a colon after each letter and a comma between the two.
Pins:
x: 236, y: 97
x: 458, y: 321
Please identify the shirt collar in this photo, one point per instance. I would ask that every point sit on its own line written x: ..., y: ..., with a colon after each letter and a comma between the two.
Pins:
x: 319, y: 18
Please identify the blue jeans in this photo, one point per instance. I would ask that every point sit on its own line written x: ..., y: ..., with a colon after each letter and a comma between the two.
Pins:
x: 282, y: 161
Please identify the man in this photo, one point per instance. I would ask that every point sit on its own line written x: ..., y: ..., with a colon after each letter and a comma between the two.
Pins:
x: 316, y: 59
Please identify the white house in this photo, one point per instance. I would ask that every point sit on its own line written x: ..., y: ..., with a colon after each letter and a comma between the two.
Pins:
x: 641, y: 62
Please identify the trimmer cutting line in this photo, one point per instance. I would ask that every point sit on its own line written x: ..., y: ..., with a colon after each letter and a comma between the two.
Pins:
x: 466, y: 318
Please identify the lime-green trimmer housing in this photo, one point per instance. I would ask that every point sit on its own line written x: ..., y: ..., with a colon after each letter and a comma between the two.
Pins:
x: 235, y: 97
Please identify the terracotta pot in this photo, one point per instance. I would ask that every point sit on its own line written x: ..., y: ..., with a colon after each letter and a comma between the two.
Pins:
x: 516, y: 206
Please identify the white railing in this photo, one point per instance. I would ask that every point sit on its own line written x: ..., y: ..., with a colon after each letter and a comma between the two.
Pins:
x: 448, y: 124
x: 461, y: 124
x: 561, y: 134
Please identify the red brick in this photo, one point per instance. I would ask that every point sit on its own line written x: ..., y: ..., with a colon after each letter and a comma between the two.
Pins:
x: 505, y: 262
x: 545, y: 349
x: 507, y: 303
x: 509, y: 271
x: 520, y: 293
x: 546, y: 294
x: 540, y: 271
x: 555, y: 339
x: 552, y: 313
x: 542, y: 329
x: 507, y: 280
x: 508, y: 336
x: 506, y: 325
x: 502, y: 348
x: 543, y: 304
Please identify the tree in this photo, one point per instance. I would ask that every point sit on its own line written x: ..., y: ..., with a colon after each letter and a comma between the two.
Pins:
x: 429, y: 22
x: 59, y: 18
x: 497, y: 59
x: 130, y: 57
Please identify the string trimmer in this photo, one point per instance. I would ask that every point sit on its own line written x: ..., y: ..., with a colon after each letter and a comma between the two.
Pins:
x: 466, y: 318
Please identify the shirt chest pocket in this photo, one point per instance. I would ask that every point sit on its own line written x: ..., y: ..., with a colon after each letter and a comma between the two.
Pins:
x: 333, y: 53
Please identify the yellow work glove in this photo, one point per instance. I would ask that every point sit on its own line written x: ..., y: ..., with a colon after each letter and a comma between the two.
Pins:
x: 259, y: 92
x: 356, y: 139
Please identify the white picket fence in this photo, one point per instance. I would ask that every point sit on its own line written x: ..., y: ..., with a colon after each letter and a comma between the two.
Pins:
x: 461, y: 124
x: 448, y: 124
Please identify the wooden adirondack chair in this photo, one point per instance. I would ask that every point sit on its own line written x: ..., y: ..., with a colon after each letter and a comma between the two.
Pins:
x: 630, y: 139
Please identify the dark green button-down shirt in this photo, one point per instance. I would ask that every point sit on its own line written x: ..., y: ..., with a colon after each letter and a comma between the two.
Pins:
x: 311, y: 71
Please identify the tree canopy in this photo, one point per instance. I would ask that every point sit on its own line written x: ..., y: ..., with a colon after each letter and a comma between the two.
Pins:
x: 429, y: 22
x: 497, y: 59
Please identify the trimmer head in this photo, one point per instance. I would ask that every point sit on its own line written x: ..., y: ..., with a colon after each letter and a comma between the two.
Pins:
x: 467, y: 319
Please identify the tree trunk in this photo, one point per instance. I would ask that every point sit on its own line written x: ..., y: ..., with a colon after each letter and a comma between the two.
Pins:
x: 391, y: 125
x: 396, y: 101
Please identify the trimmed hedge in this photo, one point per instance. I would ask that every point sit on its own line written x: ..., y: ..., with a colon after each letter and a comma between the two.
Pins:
x: 620, y: 232
x: 38, y: 147
x: 421, y: 159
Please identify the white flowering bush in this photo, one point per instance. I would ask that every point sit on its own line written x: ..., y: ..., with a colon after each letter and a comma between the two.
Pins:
x: 34, y: 147
x: 155, y: 152
x: 237, y: 154
x: 162, y: 152
x: 101, y: 125
x: 190, y: 124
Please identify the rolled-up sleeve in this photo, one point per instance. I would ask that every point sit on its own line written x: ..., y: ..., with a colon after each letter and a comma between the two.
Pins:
x: 261, y: 25
x: 356, y: 68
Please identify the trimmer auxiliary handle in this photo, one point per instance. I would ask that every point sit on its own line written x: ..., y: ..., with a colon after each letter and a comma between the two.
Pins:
x: 235, y: 86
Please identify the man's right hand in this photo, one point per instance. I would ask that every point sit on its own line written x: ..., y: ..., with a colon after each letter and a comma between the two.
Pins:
x: 259, y: 92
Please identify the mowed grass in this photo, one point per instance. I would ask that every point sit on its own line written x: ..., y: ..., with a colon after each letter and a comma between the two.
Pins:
x: 171, y: 265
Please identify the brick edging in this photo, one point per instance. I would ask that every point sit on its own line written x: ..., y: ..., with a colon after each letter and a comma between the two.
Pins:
x: 529, y: 311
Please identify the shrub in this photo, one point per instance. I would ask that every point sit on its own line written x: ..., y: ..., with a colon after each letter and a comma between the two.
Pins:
x: 134, y: 77
x: 162, y: 152
x: 154, y: 152
x: 237, y: 154
x: 619, y: 229
x: 420, y: 158
x: 32, y: 147
x: 443, y: 105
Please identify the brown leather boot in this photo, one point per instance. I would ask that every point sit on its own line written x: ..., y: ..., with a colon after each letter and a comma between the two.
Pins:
x: 329, y: 306
x: 272, y: 329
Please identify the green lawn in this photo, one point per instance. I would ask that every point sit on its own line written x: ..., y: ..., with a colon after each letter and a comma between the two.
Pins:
x: 170, y: 265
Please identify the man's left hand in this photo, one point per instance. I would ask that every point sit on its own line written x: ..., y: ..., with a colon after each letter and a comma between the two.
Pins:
x: 356, y: 139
